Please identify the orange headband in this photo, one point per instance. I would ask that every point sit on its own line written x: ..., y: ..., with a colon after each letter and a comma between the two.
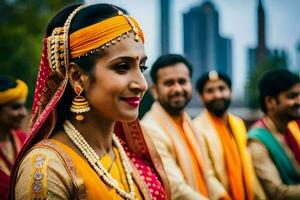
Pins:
x: 96, y: 35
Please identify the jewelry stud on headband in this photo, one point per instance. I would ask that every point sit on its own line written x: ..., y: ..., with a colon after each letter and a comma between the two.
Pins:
x: 213, y: 75
x: 79, y: 104
x: 134, y: 29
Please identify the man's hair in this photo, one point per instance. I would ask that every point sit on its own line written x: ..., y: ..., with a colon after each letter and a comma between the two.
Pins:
x: 202, y: 80
x: 275, y: 82
x: 168, y: 60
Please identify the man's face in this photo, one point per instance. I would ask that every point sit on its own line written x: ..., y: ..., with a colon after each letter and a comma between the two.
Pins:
x: 288, y: 104
x: 173, y: 89
x: 216, y: 97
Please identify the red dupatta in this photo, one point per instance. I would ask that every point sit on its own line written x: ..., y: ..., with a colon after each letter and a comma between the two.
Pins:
x: 19, y: 138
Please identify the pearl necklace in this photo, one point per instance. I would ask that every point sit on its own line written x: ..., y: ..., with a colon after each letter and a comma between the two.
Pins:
x: 94, y: 160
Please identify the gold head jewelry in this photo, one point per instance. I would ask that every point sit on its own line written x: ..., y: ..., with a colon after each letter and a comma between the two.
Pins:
x: 58, y: 45
x: 213, y: 75
x: 79, y: 104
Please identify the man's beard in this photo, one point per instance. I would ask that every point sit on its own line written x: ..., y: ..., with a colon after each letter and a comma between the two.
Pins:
x: 175, y: 109
x: 293, y: 116
x: 217, y: 111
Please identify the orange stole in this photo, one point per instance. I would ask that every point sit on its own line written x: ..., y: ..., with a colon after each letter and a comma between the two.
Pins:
x: 295, y: 131
x: 95, y: 188
x: 193, y: 149
x: 234, y: 147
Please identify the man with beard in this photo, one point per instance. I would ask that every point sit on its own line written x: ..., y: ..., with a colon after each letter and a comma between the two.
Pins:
x: 170, y: 127
x: 274, y: 140
x: 225, y: 136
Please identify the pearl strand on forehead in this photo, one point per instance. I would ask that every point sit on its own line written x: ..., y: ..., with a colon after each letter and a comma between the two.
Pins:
x: 94, y: 160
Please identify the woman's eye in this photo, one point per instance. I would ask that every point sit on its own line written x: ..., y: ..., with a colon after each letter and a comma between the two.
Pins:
x: 123, y: 67
x: 143, y: 68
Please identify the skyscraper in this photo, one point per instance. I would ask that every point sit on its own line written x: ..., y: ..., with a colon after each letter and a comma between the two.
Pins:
x: 261, y: 52
x: 298, y: 57
x: 164, y: 25
x: 203, y: 45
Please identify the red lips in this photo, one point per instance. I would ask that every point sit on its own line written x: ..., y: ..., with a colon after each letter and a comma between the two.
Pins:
x: 132, y: 101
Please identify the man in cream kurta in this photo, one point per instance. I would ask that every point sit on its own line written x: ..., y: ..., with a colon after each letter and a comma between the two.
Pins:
x: 225, y: 136
x: 182, y: 150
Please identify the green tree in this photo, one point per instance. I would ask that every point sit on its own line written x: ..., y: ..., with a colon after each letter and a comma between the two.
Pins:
x: 22, y: 27
x: 276, y: 61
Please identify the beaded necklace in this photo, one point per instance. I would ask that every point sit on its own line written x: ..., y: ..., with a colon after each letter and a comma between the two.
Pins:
x: 94, y: 160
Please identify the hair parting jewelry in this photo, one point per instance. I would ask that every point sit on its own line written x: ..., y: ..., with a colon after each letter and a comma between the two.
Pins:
x: 95, y: 163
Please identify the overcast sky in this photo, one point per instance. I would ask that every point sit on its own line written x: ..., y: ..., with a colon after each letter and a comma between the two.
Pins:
x: 237, y: 20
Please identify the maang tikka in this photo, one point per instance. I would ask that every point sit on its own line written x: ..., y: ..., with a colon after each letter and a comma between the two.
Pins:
x: 79, y: 104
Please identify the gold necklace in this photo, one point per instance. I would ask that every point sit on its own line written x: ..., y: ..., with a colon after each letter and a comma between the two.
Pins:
x: 94, y: 160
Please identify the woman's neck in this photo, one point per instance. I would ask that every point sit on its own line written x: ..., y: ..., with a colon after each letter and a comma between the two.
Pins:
x: 4, y: 134
x: 97, y: 132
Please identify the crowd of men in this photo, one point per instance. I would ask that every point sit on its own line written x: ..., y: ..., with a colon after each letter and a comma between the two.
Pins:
x: 212, y: 156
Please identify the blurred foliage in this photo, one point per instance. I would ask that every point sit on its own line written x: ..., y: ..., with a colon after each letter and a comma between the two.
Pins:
x: 22, y: 26
x: 274, y: 62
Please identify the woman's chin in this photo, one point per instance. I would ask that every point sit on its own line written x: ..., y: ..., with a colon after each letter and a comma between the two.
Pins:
x: 129, y: 117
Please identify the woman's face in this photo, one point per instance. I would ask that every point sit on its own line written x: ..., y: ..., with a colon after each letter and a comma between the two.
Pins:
x: 12, y: 114
x: 118, y: 84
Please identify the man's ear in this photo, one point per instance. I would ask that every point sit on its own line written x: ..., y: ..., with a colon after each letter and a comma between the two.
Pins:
x: 154, y: 92
x: 270, y: 102
x: 77, y: 77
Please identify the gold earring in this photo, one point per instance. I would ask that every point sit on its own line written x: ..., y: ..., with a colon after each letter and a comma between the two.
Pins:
x: 79, y: 104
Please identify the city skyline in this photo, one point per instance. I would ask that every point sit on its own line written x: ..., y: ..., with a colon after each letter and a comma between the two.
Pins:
x: 203, y: 44
x: 237, y: 20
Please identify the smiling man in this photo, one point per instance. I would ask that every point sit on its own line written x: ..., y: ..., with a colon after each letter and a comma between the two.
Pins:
x: 274, y: 140
x: 225, y: 135
x: 182, y: 150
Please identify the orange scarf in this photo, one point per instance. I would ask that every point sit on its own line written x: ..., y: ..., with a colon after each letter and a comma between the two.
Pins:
x: 192, y: 147
x: 295, y: 131
x: 234, y: 147
x: 188, y: 153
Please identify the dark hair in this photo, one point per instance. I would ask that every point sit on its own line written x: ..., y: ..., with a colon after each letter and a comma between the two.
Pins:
x: 205, y: 77
x: 275, y: 82
x: 85, y: 17
x: 166, y: 61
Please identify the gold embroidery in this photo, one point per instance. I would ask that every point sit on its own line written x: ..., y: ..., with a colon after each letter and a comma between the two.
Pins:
x: 38, y: 174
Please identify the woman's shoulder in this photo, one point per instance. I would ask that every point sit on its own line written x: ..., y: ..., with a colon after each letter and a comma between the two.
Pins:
x: 42, y: 173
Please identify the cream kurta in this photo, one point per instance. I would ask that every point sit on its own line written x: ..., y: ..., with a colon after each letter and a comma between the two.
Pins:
x: 216, y: 154
x: 180, y: 177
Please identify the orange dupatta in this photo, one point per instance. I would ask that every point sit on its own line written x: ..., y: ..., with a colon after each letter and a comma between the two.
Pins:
x: 234, y: 147
x: 192, y: 147
x: 189, y: 156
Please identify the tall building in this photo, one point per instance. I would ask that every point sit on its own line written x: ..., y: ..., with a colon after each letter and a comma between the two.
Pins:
x: 203, y: 45
x: 165, y: 26
x: 261, y: 53
x: 298, y: 57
